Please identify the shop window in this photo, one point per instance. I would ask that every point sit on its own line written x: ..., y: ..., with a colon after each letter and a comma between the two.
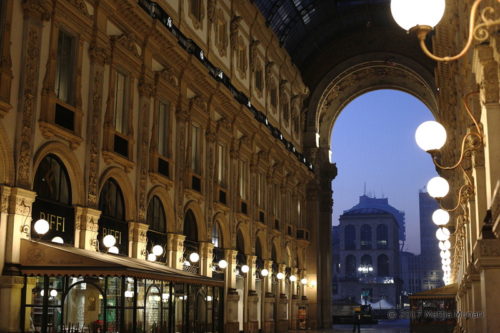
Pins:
x: 157, y: 232
x: 112, y: 220
x: 53, y: 201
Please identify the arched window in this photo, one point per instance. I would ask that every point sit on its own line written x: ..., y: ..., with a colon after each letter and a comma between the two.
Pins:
x: 53, y: 200
x: 111, y: 203
x: 350, y: 237
x: 383, y: 265
x: 52, y: 181
x: 216, y: 235
x: 156, y: 216
x: 350, y: 266
x: 382, y: 237
x: 112, y: 220
x: 366, y: 237
x: 157, y: 232
x: 240, y: 247
x: 190, y: 228
x: 366, y: 260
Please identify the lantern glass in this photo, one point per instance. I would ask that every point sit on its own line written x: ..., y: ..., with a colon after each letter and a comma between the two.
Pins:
x: 41, y: 227
x: 430, y: 135
x: 410, y: 13
x: 438, y: 187
x: 440, y: 217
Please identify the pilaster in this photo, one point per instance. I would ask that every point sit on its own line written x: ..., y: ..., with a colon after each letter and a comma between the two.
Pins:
x: 138, y: 239
x: 86, y: 228
x: 10, y: 303
x: 18, y: 226
x: 175, y: 248
x: 207, y: 256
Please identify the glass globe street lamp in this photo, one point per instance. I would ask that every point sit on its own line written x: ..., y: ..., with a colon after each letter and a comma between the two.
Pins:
x: 444, y: 245
x: 430, y: 136
x: 157, y: 250
x: 445, y: 254
x: 194, y: 257
x: 420, y: 16
x: 438, y: 187
x: 222, y: 264
x: 446, y: 261
x: 109, y: 241
x: 440, y: 217
x: 280, y: 276
x: 114, y: 250
x: 151, y: 257
x: 264, y: 272
x: 41, y: 227
x: 303, y: 281
x: 443, y: 234
x: 293, y: 278
x: 57, y: 240
x: 245, y: 269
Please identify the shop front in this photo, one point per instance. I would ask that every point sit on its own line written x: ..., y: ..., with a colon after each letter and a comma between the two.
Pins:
x: 72, y: 290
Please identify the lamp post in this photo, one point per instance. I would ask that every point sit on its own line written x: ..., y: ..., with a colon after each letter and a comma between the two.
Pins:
x: 421, y: 16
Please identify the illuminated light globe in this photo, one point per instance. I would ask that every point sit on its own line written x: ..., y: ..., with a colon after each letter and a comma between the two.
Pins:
x: 438, y: 187
x: 41, y: 227
x: 264, y: 272
x: 157, y: 250
x: 445, y: 254
x: 446, y: 268
x: 222, y: 263
x: 443, y: 234
x: 440, y: 217
x: 293, y: 278
x: 410, y: 13
x: 446, y: 261
x: 151, y: 257
x: 53, y: 293
x: 109, y: 240
x: 446, y: 245
x: 194, y: 257
x: 430, y: 135
x: 186, y: 263
x: 245, y: 269
x: 303, y: 281
x: 114, y: 250
x: 57, y: 240
x: 280, y: 276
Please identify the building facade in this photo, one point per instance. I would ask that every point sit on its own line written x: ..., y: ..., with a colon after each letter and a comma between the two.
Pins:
x: 369, y: 253
x: 174, y: 127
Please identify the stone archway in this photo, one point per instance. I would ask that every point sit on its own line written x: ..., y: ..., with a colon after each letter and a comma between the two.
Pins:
x: 346, y: 81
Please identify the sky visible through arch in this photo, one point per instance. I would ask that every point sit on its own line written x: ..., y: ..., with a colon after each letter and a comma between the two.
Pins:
x: 373, y: 142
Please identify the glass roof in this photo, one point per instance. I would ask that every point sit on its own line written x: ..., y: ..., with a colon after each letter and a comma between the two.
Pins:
x: 294, y: 21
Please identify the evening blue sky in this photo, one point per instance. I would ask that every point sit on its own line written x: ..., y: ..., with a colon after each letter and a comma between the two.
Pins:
x: 373, y: 141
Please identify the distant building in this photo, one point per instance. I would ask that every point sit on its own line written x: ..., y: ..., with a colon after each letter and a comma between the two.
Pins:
x: 411, y: 273
x: 368, y: 264
x: 430, y: 261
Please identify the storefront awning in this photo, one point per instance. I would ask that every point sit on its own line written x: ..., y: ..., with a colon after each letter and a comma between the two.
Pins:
x: 449, y: 291
x: 39, y: 258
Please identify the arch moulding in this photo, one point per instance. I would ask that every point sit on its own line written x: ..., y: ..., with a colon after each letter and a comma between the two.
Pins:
x: 168, y: 207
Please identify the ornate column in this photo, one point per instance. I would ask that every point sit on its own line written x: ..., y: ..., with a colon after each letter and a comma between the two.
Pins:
x: 86, y: 228
x: 476, y: 300
x: 268, y: 301
x: 175, y: 248
x: 487, y: 262
x: 16, y: 206
x: 232, y: 298
x: 137, y: 239
x: 206, y: 258
x: 294, y: 299
x: 282, y: 299
x: 252, y: 324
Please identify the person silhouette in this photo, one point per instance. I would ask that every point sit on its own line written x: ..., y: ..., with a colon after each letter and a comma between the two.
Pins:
x: 356, y: 320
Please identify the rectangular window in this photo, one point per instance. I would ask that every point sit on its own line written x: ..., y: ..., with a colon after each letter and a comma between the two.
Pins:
x: 258, y: 79
x: 163, y: 129
x: 260, y: 190
x: 65, y: 66
x: 243, y: 173
x: 195, y: 149
x: 196, y: 9
x: 221, y: 165
x: 121, y: 103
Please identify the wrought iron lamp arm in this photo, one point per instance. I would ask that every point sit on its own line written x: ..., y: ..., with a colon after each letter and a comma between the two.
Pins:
x: 478, y: 32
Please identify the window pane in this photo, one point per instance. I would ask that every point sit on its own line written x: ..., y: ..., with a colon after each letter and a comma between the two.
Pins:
x: 195, y: 150
x: 120, y: 103
x: 163, y: 129
x: 64, y: 69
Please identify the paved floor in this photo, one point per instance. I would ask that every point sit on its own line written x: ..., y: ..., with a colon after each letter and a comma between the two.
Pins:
x: 384, y: 326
